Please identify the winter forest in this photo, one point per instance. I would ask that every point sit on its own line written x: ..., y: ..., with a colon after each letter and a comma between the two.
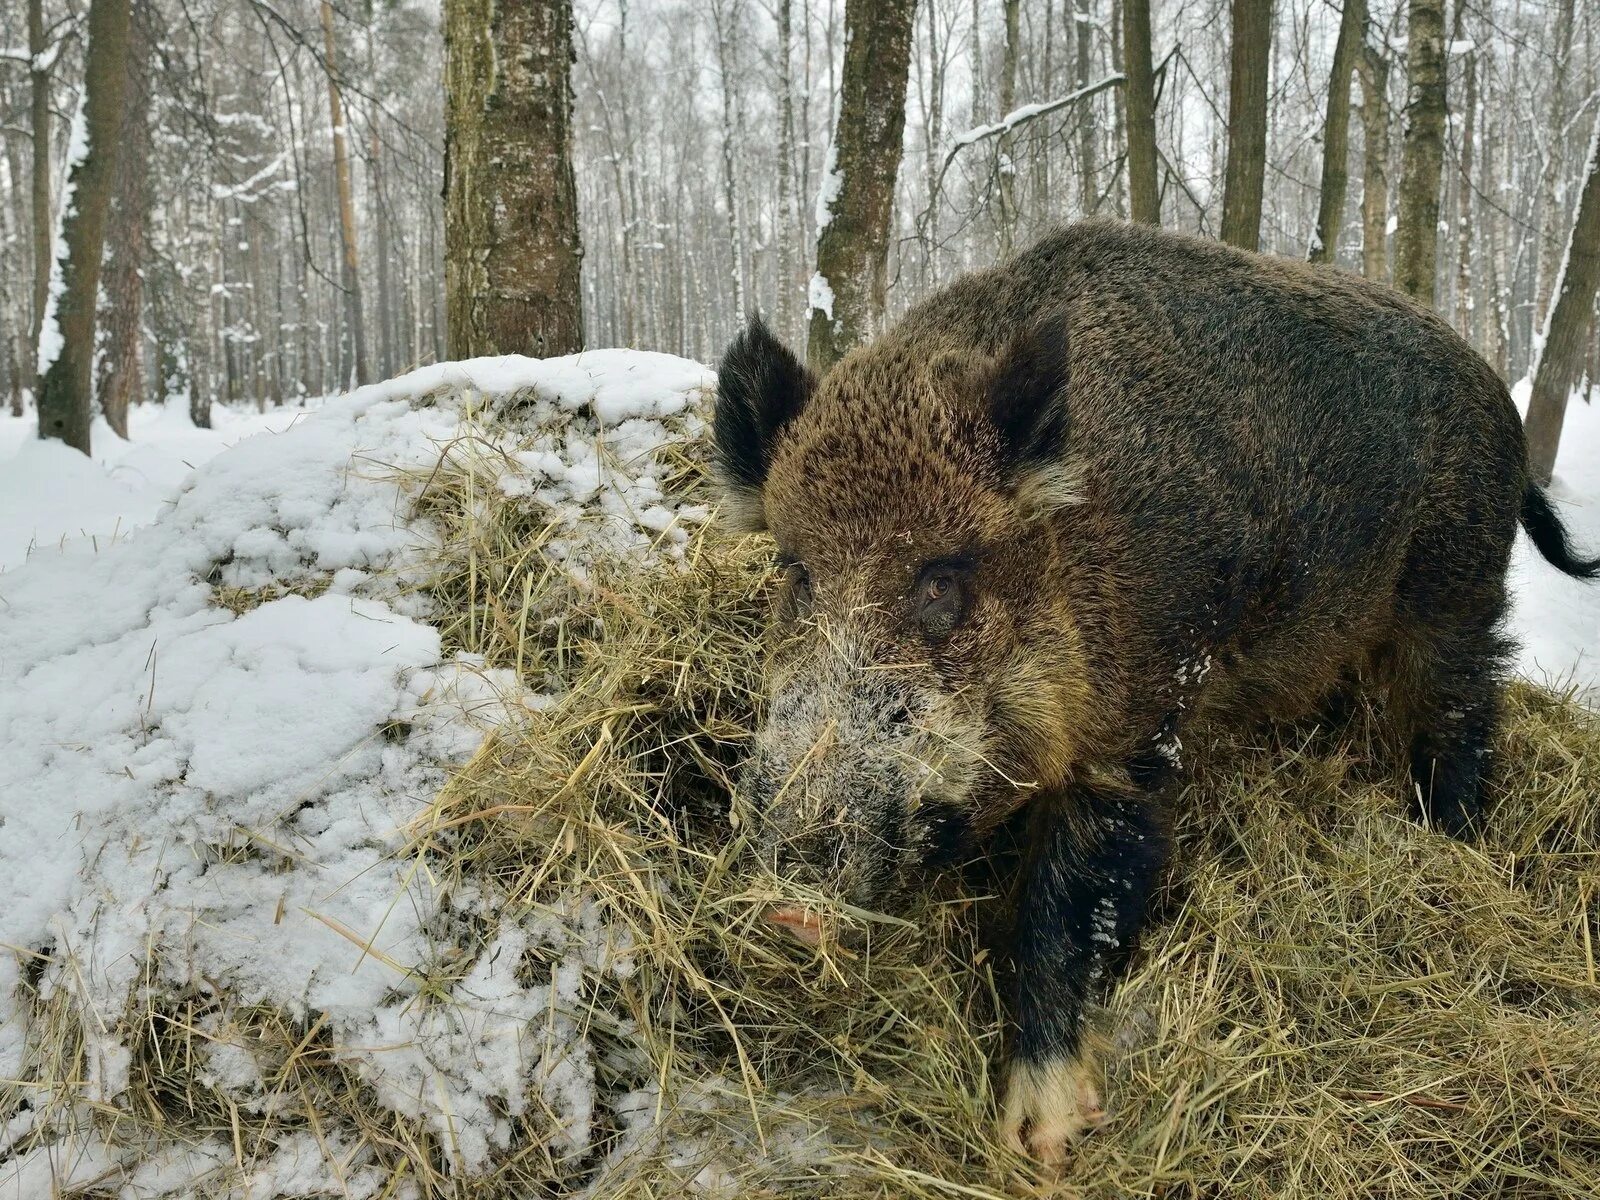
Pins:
x: 274, y: 227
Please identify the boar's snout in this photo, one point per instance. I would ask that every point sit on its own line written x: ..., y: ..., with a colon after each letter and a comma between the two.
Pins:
x: 852, y: 786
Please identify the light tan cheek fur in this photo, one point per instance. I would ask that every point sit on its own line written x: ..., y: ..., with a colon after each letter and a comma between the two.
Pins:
x: 1050, y: 1106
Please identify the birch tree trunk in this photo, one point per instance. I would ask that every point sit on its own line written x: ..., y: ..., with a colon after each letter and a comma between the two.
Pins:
x: 122, y: 362
x: 1247, y: 123
x: 1144, y: 195
x: 1565, y: 343
x: 1469, y: 118
x: 787, y: 231
x: 1088, y: 133
x: 1416, y: 238
x: 1007, y: 183
x: 847, y: 292
x: 66, y: 387
x: 1374, y: 72
x: 1553, y: 208
x: 1336, y: 133
x: 512, y: 249
x: 349, y: 273
x: 39, y: 126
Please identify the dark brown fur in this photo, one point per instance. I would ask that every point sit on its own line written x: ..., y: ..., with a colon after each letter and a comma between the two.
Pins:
x: 1173, y: 485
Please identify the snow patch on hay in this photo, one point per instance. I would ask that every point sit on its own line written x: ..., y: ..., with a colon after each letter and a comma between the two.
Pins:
x: 217, y: 733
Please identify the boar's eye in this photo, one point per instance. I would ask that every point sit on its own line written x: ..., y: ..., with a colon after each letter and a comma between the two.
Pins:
x: 796, y: 590
x: 941, y: 602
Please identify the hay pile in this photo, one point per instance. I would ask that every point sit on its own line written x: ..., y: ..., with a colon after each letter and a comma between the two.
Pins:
x: 1335, y: 1002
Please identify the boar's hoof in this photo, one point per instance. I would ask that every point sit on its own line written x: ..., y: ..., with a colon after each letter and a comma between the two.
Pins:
x: 1048, y: 1107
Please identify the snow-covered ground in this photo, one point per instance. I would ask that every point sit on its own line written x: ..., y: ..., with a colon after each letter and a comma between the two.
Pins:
x: 50, y: 493
x: 1556, y: 620
x: 217, y: 726
x: 192, y: 790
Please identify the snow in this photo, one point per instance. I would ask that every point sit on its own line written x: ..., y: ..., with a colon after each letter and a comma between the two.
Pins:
x: 50, y: 493
x: 820, y: 294
x: 50, y: 340
x: 1555, y: 619
x: 213, y: 800
x: 832, y: 183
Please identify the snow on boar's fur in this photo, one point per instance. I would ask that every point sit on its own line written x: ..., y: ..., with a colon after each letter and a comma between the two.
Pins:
x: 1067, y: 511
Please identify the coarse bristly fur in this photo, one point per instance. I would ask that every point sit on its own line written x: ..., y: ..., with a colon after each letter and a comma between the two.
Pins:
x: 1067, y: 514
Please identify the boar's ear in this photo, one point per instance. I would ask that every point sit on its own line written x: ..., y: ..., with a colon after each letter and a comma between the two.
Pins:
x: 761, y: 387
x: 1027, y: 402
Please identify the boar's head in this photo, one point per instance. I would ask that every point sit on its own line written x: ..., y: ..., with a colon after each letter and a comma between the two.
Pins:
x: 925, y: 665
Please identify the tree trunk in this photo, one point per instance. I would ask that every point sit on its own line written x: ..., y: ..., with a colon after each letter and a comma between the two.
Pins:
x: 1469, y: 64
x: 1007, y: 182
x: 724, y: 21
x: 847, y: 292
x: 1144, y: 194
x: 1336, y: 133
x: 65, y: 389
x: 1416, y: 238
x: 122, y: 361
x: 1247, y: 123
x: 787, y: 223
x: 1553, y: 210
x: 1088, y: 134
x: 349, y: 275
x: 1374, y: 71
x: 1565, y: 347
x: 43, y: 219
x: 512, y: 249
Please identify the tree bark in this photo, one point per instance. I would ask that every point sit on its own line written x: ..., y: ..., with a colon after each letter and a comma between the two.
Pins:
x: 512, y: 249
x: 1336, y: 132
x: 1553, y: 209
x: 1144, y: 194
x: 122, y: 361
x: 349, y: 273
x: 1007, y: 182
x: 66, y: 388
x: 1416, y: 239
x: 1088, y: 133
x: 1374, y: 71
x: 1565, y: 344
x: 787, y: 222
x: 847, y: 293
x: 1246, y: 171
x: 725, y: 21
x: 39, y: 125
x: 1469, y: 65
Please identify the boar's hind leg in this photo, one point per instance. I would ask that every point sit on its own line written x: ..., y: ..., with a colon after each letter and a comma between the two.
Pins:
x: 1092, y: 862
x: 1449, y: 693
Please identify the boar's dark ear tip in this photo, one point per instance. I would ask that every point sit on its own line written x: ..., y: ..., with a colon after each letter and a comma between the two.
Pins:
x: 761, y: 387
x: 1028, y: 394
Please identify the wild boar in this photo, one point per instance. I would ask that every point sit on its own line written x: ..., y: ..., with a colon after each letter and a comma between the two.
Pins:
x: 1075, y: 509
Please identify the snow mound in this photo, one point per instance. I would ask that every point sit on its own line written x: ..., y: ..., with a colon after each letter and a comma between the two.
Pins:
x: 217, y: 731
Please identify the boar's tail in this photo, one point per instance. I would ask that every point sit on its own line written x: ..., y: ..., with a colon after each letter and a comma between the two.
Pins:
x: 1550, y: 535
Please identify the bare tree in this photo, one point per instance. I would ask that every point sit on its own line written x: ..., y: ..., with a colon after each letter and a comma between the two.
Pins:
x: 1007, y: 183
x: 1374, y: 72
x: 121, y: 374
x: 1553, y: 207
x: 1566, y: 342
x: 847, y: 292
x: 1336, y: 132
x: 350, y: 274
x: 39, y: 125
x: 1088, y: 133
x: 512, y: 251
x: 1422, y: 164
x: 66, y: 357
x: 1247, y: 123
x: 1144, y: 196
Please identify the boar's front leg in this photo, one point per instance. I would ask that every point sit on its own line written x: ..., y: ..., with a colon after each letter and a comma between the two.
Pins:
x: 1093, y: 858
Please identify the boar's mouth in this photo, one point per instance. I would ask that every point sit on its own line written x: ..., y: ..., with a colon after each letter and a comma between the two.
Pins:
x: 853, y: 794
